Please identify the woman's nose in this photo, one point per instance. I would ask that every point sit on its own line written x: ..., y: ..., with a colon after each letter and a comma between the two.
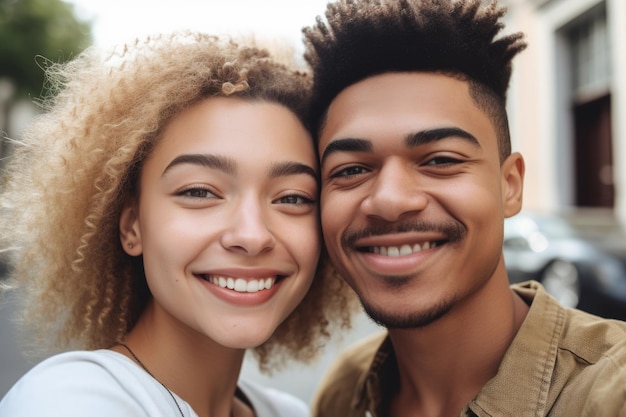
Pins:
x: 248, y: 231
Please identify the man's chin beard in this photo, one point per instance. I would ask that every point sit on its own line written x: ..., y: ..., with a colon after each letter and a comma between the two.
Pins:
x: 409, y: 320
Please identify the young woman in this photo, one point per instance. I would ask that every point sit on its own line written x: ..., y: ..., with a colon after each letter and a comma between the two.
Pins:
x: 162, y: 217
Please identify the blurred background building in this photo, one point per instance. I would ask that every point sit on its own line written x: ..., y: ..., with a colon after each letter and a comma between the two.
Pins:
x: 568, y: 103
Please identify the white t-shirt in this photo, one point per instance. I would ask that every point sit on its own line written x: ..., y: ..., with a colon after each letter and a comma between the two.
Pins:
x: 104, y: 383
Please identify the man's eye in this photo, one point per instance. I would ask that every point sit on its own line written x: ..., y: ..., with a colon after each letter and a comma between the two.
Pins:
x: 349, y: 172
x: 442, y: 160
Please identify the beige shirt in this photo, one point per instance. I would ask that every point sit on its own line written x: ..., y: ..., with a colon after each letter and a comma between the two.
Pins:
x: 562, y: 362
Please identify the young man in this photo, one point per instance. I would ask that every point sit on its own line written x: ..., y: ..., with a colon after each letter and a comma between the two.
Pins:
x: 417, y: 178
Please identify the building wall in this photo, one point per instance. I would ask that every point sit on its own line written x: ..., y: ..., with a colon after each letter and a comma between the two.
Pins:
x: 540, y: 101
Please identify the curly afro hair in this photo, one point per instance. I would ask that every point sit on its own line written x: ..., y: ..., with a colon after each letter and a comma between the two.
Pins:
x: 79, y: 161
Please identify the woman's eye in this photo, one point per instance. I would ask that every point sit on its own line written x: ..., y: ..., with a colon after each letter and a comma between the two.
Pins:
x: 350, y: 172
x: 295, y: 199
x: 196, y: 193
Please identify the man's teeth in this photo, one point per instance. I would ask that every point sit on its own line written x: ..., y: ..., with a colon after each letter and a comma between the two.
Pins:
x: 395, y: 251
x: 242, y: 285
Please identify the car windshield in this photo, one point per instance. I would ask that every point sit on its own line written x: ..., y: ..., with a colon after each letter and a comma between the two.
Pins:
x: 588, y: 224
x: 551, y: 227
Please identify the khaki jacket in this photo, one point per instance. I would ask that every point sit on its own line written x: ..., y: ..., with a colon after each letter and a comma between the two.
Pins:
x: 563, y: 362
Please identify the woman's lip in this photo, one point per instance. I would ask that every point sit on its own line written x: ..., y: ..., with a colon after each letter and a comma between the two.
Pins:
x: 243, y: 299
x: 211, y: 277
x: 257, y: 273
x: 242, y: 284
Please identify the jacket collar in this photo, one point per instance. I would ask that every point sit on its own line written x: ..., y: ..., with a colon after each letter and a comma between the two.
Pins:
x: 524, y: 377
x: 521, y: 386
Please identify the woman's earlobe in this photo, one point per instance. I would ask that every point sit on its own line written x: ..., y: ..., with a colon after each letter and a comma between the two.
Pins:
x: 130, y: 234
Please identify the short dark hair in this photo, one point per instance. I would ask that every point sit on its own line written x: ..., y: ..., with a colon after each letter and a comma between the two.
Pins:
x: 363, y: 38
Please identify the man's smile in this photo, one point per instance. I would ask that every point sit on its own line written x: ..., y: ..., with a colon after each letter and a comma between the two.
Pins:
x: 403, y: 250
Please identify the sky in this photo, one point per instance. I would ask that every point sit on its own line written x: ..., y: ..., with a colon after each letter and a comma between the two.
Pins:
x: 117, y: 21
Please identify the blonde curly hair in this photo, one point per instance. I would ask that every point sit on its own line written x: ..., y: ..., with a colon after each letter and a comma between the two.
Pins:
x: 79, y: 161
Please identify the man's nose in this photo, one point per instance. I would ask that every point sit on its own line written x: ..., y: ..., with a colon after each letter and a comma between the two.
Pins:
x: 396, y: 192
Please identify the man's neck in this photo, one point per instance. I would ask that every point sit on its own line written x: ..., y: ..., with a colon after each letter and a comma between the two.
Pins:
x: 443, y: 366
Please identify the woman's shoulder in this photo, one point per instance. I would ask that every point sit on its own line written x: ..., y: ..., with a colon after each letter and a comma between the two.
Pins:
x: 270, y: 402
x: 102, y: 381
x: 78, y: 366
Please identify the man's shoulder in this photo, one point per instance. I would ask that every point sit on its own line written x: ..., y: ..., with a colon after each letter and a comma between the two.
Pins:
x: 337, y: 391
x: 589, y: 359
x: 268, y: 401
x: 358, y: 356
x: 590, y: 337
x: 594, y: 339
x: 592, y: 354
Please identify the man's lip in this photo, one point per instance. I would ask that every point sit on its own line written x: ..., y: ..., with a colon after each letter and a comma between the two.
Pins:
x: 395, y: 261
x: 402, y: 250
x: 399, y: 240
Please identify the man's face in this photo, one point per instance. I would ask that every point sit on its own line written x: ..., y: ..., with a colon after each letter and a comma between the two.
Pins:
x: 414, y: 195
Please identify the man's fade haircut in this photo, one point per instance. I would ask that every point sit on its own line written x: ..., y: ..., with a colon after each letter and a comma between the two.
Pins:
x: 363, y: 38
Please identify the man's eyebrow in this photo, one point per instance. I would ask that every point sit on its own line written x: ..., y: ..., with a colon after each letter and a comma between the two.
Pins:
x: 431, y: 135
x: 282, y: 169
x: 347, y: 145
x: 218, y: 162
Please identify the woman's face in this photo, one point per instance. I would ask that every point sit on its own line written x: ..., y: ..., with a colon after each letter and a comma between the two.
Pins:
x: 227, y: 219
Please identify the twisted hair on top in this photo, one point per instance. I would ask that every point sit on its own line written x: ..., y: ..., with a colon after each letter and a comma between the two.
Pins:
x: 64, y: 188
x: 363, y: 38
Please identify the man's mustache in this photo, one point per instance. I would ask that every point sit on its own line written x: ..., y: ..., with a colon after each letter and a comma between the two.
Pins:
x: 452, y: 230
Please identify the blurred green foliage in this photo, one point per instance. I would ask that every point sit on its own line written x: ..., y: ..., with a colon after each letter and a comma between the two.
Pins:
x: 33, y: 32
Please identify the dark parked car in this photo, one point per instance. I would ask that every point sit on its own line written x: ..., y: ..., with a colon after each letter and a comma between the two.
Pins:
x: 4, y: 267
x: 580, y: 258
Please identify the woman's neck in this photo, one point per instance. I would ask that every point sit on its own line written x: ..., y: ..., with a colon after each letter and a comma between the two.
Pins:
x: 191, y: 365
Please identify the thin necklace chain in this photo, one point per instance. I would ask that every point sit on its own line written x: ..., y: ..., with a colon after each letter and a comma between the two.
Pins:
x: 153, y: 377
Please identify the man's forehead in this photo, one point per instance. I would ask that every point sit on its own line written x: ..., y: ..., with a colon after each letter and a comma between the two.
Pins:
x: 398, y: 105
x: 394, y: 92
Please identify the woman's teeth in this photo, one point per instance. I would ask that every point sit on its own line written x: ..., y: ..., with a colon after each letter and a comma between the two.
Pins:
x: 243, y: 285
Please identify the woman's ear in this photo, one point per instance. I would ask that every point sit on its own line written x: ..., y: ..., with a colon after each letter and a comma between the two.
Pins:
x: 512, y: 184
x: 130, y: 233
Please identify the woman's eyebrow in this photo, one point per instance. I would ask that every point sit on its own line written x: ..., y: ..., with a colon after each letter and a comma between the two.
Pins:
x: 292, y: 168
x: 431, y: 135
x: 222, y: 163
